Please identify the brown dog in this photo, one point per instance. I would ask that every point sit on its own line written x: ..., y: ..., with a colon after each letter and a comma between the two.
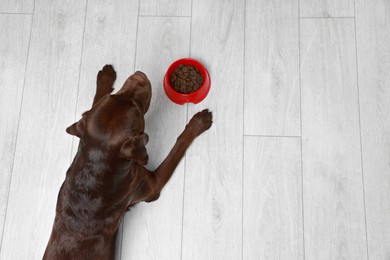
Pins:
x: 107, y: 175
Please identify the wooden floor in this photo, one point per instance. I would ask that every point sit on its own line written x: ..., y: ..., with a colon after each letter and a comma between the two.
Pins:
x: 296, y: 165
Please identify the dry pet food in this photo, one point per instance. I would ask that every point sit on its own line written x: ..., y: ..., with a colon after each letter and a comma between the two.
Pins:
x: 186, y: 79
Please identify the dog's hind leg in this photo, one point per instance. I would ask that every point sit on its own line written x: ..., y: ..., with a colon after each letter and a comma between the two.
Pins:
x: 104, y: 82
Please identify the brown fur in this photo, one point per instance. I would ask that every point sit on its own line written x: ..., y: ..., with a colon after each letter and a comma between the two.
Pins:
x: 107, y: 175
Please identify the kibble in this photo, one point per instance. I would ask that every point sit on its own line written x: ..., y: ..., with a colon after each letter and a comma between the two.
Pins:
x: 186, y: 79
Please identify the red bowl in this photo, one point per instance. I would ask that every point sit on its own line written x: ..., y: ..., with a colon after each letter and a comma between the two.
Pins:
x: 195, y: 97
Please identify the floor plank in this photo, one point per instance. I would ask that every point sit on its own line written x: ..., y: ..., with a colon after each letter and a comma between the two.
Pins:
x: 327, y: 8
x: 373, y: 48
x: 165, y: 7
x: 212, y: 227
x: 43, y: 148
x: 153, y: 231
x: 332, y: 174
x: 272, y: 105
x: 14, y: 41
x: 272, y: 211
x: 17, y: 6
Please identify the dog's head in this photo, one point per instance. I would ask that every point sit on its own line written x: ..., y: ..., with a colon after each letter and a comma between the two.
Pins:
x: 116, y: 122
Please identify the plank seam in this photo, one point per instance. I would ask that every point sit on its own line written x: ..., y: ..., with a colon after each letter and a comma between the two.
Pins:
x: 300, y: 118
x: 327, y: 17
x: 78, y: 81
x: 243, y: 138
x: 166, y: 16
x: 360, y: 128
x: 5, y: 13
x: 185, y: 155
x: 283, y: 136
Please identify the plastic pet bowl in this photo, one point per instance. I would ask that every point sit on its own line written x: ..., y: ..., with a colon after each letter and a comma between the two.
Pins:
x: 195, y: 97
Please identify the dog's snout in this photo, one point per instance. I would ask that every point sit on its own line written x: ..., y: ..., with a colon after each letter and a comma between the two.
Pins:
x: 141, y: 74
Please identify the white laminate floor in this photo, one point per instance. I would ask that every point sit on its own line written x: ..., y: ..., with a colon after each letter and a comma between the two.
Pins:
x: 295, y: 166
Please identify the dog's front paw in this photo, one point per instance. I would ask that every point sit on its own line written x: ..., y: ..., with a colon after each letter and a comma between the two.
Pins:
x: 107, y: 73
x: 105, y: 79
x: 200, y: 122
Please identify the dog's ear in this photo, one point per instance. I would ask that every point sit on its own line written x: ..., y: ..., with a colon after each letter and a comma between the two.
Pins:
x: 77, y: 129
x: 134, y: 148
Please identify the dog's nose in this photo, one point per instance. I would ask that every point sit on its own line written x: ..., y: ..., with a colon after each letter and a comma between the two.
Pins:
x: 141, y: 74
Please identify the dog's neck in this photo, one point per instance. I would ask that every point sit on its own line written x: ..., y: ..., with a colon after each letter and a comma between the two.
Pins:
x: 98, y: 160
